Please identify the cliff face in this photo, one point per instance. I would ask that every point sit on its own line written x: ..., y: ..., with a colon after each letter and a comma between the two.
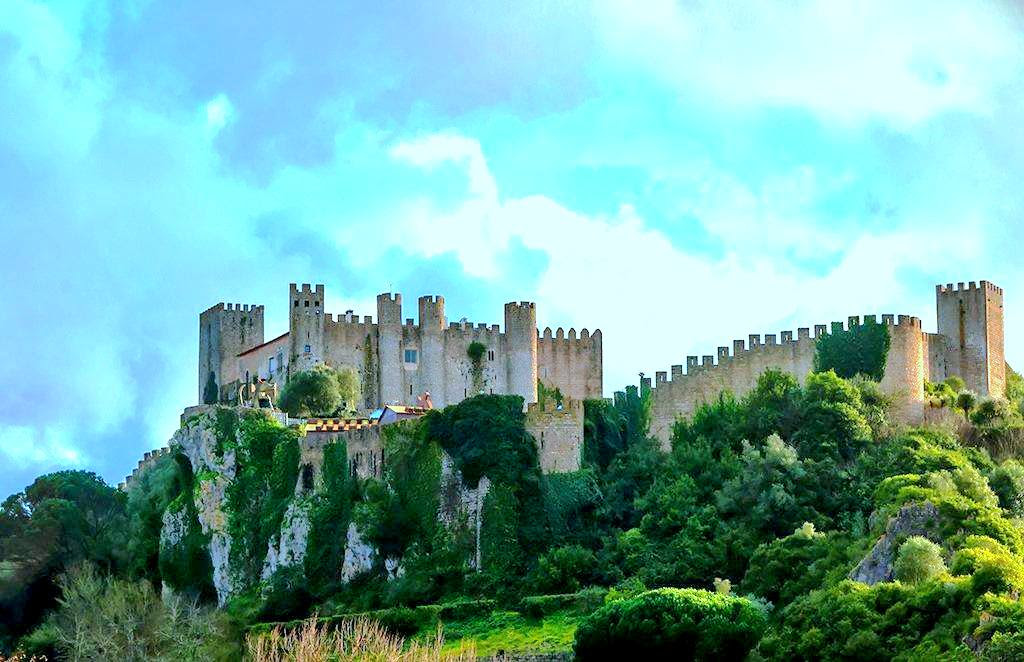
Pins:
x: 213, y: 466
x: 224, y: 457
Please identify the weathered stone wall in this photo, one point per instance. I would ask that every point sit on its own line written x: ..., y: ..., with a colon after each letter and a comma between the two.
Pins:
x: 521, y: 347
x: 558, y: 433
x: 364, y: 450
x: 306, y: 322
x: 573, y: 365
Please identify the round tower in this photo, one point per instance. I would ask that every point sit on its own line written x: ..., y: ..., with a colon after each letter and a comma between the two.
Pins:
x: 430, y: 363
x: 389, y: 347
x: 904, y: 368
x: 521, y: 349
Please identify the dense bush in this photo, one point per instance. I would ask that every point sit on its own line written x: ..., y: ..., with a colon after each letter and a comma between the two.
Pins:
x: 148, y: 497
x: 681, y: 624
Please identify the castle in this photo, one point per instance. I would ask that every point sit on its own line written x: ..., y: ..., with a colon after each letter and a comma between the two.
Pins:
x: 968, y: 344
x: 396, y: 362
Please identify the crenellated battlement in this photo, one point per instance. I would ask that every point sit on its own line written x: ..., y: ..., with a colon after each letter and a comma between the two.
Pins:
x: 235, y: 308
x: 149, y: 458
x: 971, y: 286
x: 560, y: 335
x: 558, y: 431
x: 770, y: 347
x: 397, y: 362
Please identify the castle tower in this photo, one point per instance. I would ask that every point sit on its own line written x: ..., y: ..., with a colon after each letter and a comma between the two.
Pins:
x: 305, y: 326
x: 905, y: 372
x: 225, y: 331
x: 521, y: 349
x: 389, y: 344
x: 431, y: 362
x: 971, y: 319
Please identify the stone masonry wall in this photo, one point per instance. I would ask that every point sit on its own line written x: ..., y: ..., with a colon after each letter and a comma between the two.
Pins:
x: 558, y: 433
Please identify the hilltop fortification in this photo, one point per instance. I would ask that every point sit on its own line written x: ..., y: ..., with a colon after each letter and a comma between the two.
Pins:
x: 397, y: 361
x: 968, y: 344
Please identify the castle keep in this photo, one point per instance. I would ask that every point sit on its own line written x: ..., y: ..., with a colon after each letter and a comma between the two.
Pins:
x: 968, y: 344
x: 396, y: 361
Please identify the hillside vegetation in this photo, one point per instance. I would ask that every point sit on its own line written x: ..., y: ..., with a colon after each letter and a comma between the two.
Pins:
x: 797, y: 522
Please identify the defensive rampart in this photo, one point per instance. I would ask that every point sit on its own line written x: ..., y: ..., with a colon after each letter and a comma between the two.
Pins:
x: 736, y: 369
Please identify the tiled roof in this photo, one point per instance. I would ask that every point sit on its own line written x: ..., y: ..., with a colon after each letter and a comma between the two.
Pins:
x: 269, y: 342
x: 337, y: 424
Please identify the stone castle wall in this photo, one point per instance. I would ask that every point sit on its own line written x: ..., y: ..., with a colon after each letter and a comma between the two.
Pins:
x: 737, y: 370
x: 397, y: 361
x: 574, y: 365
x: 558, y: 433
x: 224, y: 332
x: 970, y: 318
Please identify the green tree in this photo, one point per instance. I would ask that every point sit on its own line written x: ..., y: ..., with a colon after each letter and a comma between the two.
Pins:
x: 60, y: 519
x: 322, y: 391
x: 860, y: 350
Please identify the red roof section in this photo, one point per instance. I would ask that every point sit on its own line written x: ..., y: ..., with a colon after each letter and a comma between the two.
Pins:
x: 269, y: 342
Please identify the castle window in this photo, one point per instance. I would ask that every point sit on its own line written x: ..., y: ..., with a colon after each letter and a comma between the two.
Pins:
x: 410, y: 356
x: 270, y: 365
x: 490, y: 355
x: 308, y: 349
x: 307, y: 477
x: 296, y: 303
x: 316, y: 303
x: 306, y: 303
x: 410, y: 389
x: 280, y: 360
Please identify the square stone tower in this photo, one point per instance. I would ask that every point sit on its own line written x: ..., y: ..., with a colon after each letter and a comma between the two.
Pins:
x: 971, y: 319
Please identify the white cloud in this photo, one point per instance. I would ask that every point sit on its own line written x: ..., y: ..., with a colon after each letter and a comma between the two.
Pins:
x: 219, y: 112
x: 654, y: 301
x: 26, y: 446
x: 901, y: 62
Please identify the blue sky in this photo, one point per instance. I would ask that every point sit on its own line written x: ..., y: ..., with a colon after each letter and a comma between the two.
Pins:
x: 677, y: 175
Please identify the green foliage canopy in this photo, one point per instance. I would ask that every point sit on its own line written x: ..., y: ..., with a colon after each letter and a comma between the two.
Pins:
x: 322, y: 391
x: 860, y: 350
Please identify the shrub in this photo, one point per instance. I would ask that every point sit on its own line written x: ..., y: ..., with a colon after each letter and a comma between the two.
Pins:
x: 564, y: 569
x: 683, y: 624
x: 918, y: 560
x: 1007, y: 481
x: 102, y: 618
